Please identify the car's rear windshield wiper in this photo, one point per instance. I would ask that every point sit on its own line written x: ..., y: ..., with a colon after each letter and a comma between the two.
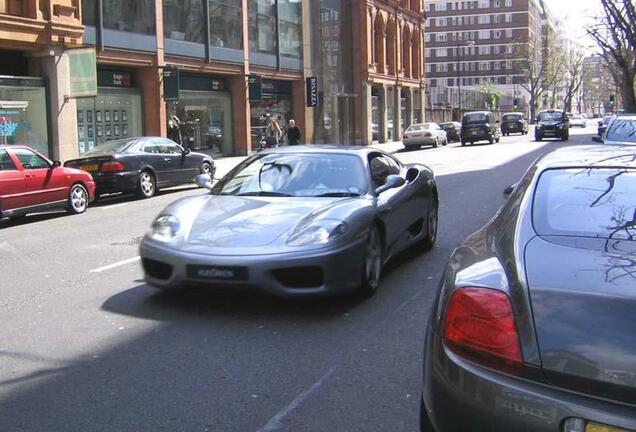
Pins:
x: 338, y: 194
x: 264, y: 193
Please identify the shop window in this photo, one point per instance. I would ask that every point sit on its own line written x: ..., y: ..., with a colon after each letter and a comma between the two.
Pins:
x: 134, y: 16
x: 23, y: 117
x: 226, y: 23
x: 274, y: 106
x: 88, y: 12
x: 184, y: 20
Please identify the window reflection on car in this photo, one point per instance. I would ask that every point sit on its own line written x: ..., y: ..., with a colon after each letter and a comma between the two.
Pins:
x: 622, y: 131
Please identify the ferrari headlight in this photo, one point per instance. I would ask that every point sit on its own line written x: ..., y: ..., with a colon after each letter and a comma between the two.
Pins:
x: 320, y: 232
x: 165, y: 228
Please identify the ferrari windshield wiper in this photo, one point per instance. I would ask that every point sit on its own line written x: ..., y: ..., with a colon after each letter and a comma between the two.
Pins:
x: 264, y: 193
x: 338, y: 194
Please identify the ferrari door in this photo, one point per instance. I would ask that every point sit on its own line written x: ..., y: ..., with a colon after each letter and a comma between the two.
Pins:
x: 392, y: 203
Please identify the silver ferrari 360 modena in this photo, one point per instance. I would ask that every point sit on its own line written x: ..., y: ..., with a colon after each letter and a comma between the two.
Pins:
x: 294, y: 221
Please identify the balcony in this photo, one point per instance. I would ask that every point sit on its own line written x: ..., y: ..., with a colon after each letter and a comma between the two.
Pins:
x: 39, y: 22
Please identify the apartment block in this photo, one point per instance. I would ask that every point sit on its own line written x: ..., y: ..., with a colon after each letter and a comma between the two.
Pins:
x: 478, y: 45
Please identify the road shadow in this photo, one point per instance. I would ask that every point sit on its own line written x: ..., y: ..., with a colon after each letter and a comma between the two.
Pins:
x: 119, y: 198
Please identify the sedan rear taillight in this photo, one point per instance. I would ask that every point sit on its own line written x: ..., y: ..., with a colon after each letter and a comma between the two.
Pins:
x: 112, y: 166
x: 480, y: 326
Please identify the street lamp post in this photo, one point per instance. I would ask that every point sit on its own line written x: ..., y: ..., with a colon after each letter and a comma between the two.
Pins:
x: 459, y: 78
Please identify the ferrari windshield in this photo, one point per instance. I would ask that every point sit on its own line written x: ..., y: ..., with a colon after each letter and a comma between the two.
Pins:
x: 297, y: 175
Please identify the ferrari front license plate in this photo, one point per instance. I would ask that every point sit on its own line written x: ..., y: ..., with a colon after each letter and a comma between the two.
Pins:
x: 219, y: 273
x: 593, y: 427
x: 89, y: 168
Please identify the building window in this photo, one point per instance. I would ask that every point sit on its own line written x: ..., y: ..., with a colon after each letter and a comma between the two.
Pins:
x: 483, y: 4
x: 88, y: 12
x: 508, y: 3
x: 508, y: 18
x: 508, y: 33
x: 226, y: 24
x: 484, y: 19
x: 290, y: 24
x: 184, y: 20
x: 134, y: 16
x: 484, y: 34
x: 262, y: 22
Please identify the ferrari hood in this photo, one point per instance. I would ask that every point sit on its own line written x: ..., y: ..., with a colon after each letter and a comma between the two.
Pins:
x: 245, y: 222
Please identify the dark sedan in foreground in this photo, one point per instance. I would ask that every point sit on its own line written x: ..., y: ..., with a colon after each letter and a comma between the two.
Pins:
x: 533, y: 328
x: 294, y: 221
x: 141, y: 165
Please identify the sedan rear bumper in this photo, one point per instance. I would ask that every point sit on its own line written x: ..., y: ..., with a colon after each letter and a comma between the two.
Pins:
x: 493, y: 401
x: 116, y: 182
x: 418, y: 141
x: 311, y: 273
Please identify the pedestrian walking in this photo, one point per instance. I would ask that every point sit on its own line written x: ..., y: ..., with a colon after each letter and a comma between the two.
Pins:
x: 273, y: 134
x: 293, y: 133
x: 174, y: 130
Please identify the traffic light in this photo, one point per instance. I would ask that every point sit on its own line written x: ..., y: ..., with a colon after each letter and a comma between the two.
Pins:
x: 612, y: 100
x: 516, y: 103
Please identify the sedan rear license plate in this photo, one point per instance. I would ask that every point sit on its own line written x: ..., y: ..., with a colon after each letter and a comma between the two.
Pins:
x: 91, y: 167
x: 474, y: 132
x: 222, y: 273
x: 593, y: 427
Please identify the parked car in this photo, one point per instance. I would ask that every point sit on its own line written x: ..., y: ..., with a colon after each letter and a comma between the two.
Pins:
x: 421, y: 134
x: 453, y: 130
x: 533, y: 326
x: 577, y: 120
x: 602, y: 127
x: 295, y: 221
x: 142, y: 165
x: 621, y: 130
x: 552, y: 124
x: 513, y: 123
x: 31, y: 183
x: 479, y: 126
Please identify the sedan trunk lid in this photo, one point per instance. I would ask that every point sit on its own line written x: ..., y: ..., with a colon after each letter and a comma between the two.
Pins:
x: 584, y: 304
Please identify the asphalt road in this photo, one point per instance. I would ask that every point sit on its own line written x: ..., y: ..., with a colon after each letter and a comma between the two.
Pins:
x: 86, y: 345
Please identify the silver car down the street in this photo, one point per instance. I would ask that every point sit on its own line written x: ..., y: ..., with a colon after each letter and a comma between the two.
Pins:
x: 294, y: 221
x: 534, y: 326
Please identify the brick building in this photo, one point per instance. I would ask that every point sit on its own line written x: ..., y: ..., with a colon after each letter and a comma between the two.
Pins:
x: 476, y: 45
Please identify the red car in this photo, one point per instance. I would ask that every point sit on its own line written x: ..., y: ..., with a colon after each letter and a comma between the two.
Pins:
x: 29, y: 182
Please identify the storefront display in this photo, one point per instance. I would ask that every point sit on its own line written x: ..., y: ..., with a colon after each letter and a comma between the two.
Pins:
x: 23, y: 113
x: 115, y: 113
x: 275, y: 105
x: 204, y: 111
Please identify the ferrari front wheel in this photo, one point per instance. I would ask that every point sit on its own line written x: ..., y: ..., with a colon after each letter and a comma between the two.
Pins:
x: 372, y: 267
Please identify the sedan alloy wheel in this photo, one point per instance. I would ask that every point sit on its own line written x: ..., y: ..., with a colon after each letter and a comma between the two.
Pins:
x: 146, y: 185
x: 77, y: 199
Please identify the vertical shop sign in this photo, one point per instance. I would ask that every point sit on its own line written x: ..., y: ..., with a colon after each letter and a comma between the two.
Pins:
x: 171, y: 84
x: 312, y: 91
x: 256, y: 88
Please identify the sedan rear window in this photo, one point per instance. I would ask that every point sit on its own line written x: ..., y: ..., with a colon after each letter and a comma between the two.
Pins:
x: 512, y: 117
x: 475, y: 118
x: 114, y: 146
x: 586, y: 202
x: 622, y: 130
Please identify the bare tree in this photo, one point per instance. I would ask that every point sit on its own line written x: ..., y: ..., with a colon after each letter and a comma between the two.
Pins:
x: 573, y: 64
x: 537, y: 67
x: 615, y: 34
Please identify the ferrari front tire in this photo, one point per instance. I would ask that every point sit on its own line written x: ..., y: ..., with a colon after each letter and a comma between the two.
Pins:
x: 372, y: 265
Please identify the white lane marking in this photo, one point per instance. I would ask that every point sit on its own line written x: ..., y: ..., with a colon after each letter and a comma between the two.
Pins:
x: 112, y: 206
x: 275, y: 422
x: 112, y: 266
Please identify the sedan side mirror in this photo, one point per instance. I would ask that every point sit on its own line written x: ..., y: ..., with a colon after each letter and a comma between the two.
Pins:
x: 508, y: 191
x: 56, y: 164
x: 204, y: 181
x: 186, y: 151
x: 392, y: 181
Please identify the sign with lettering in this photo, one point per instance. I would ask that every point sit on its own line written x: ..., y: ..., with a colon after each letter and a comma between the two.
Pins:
x: 312, y: 91
x: 171, y: 84
x: 83, y: 72
x: 255, y: 83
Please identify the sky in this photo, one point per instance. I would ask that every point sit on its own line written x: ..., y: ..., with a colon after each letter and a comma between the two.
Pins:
x: 576, y: 14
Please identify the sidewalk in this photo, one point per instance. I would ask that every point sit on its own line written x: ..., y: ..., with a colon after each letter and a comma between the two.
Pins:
x: 225, y: 164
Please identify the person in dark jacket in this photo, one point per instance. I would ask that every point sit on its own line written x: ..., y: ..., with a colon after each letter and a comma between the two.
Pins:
x: 174, y: 130
x: 293, y: 133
